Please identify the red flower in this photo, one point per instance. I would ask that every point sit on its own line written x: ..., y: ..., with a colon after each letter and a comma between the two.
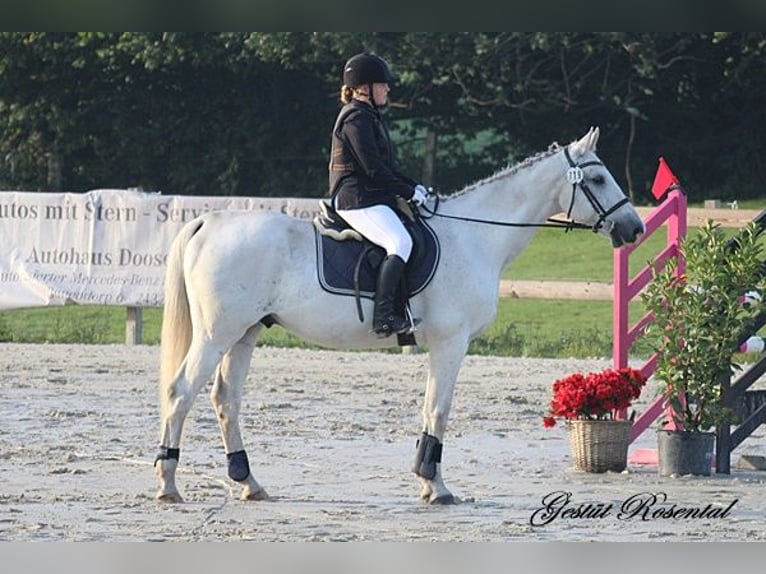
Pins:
x: 595, y: 395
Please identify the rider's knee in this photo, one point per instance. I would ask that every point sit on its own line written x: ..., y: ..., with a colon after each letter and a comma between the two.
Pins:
x: 402, y: 246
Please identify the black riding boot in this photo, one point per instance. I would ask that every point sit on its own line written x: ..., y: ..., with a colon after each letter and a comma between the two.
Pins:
x: 384, y: 321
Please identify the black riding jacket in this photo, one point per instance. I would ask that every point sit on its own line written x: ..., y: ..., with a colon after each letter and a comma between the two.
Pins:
x: 362, y: 164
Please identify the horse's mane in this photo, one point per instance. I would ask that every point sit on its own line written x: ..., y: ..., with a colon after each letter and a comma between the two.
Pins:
x: 508, y: 170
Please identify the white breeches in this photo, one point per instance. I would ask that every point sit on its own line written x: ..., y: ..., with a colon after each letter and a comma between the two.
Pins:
x: 379, y: 224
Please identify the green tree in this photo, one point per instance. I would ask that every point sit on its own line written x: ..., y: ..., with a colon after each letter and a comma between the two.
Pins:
x: 250, y: 113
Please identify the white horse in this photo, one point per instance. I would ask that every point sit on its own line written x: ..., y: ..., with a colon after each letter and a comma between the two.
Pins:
x: 228, y: 272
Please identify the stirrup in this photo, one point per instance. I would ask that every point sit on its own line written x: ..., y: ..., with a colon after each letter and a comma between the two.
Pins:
x: 386, y: 330
x: 412, y: 321
x: 409, y: 329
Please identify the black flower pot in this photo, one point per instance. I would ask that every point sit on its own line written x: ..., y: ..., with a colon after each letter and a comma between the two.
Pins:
x: 685, y: 452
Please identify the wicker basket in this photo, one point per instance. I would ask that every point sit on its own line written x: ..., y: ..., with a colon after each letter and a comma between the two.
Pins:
x: 598, y: 446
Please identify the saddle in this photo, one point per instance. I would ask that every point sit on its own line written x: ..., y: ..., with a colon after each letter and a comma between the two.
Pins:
x: 347, y: 263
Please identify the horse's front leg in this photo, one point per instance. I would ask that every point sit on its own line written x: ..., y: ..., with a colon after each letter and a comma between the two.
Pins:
x: 444, y: 359
x: 226, y: 397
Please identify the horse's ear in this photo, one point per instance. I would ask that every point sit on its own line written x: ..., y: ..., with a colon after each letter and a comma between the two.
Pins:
x: 586, y: 143
x: 594, y: 133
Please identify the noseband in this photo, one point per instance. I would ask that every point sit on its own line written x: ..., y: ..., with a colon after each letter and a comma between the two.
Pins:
x: 576, y: 177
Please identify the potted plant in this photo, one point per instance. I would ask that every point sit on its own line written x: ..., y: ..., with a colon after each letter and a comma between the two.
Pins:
x: 700, y: 317
x: 590, y: 403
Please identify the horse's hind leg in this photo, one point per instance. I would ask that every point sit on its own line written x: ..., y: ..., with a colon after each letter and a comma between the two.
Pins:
x: 194, y: 372
x: 226, y: 397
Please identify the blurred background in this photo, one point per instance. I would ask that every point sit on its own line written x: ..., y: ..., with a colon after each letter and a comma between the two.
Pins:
x: 250, y: 113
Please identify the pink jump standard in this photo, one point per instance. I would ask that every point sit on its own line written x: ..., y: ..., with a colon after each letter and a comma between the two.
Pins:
x: 673, y: 211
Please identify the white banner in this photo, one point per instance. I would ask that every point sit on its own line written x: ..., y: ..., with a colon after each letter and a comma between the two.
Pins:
x: 104, y: 247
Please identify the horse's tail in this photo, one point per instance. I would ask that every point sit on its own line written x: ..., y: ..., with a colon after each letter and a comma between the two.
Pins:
x: 176, y: 320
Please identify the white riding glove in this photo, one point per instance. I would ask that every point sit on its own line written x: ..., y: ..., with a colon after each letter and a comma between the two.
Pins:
x: 420, y: 196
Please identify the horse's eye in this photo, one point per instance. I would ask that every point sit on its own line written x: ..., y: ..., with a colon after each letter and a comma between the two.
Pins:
x: 599, y: 180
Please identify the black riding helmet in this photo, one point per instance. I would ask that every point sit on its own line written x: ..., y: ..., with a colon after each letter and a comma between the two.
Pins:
x: 366, y: 68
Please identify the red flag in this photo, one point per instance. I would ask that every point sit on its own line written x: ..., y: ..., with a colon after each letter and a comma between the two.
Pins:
x: 663, y: 180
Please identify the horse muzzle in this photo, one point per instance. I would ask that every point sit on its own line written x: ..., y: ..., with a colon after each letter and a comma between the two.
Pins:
x: 627, y: 232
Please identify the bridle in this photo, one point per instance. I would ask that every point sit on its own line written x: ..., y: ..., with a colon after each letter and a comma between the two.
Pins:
x: 576, y: 177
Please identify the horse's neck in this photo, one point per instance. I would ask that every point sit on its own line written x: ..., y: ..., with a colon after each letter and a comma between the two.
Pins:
x: 525, y: 196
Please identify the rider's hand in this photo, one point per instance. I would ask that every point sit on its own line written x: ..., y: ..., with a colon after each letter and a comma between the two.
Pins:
x: 420, y: 195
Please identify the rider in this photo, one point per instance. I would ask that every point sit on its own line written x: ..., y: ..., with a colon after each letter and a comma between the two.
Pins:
x: 364, y: 180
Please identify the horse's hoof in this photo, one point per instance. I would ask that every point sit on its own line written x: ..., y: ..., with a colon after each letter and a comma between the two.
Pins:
x: 257, y: 495
x: 170, y: 497
x: 443, y: 500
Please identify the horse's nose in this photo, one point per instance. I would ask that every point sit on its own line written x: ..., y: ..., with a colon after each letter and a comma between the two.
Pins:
x: 637, y: 232
x: 627, y: 234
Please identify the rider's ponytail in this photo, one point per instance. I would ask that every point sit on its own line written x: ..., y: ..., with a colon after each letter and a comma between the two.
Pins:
x: 346, y: 94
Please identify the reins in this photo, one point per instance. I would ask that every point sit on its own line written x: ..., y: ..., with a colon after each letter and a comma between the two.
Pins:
x: 550, y: 222
x: 576, y: 177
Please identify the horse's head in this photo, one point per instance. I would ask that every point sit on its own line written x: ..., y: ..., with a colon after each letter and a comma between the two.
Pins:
x: 591, y: 195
